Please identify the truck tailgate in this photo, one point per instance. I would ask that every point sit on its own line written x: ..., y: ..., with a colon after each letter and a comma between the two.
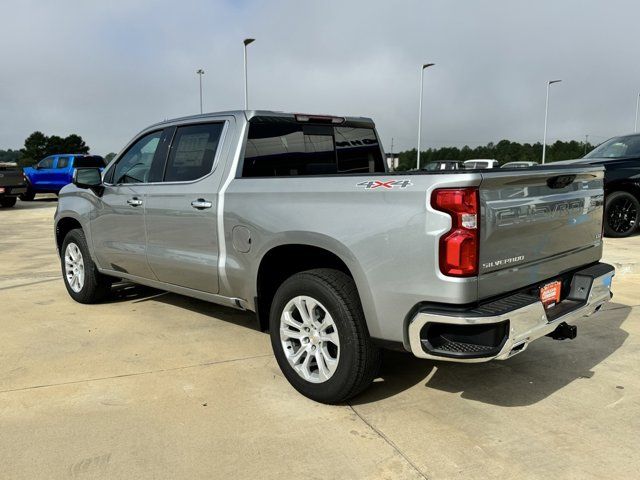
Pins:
x: 536, y: 224
x: 11, y: 177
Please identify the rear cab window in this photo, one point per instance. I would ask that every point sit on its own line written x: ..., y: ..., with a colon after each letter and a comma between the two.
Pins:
x: 284, y: 147
x: 63, y: 162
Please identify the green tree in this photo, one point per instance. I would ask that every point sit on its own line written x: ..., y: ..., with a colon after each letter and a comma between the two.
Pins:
x: 38, y: 145
x: 9, y: 156
x: 109, y: 156
x: 503, y: 151
x: 56, y: 144
x: 75, y: 144
x: 35, y: 148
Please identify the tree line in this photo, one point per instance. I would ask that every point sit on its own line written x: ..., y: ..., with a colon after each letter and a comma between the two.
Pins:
x: 38, y: 145
x: 503, y: 151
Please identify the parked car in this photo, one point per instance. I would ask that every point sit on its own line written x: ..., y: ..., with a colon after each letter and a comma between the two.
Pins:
x: 443, y: 165
x: 620, y: 156
x: 52, y: 173
x: 12, y: 183
x: 520, y: 164
x: 295, y: 217
x: 477, y: 163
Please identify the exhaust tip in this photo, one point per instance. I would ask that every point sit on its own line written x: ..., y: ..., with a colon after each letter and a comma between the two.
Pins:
x: 518, y: 348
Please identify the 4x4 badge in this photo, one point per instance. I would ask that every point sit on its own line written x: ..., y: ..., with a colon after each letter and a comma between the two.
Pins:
x: 373, y: 184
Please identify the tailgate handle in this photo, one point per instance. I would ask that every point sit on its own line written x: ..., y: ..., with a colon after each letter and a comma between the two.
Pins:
x: 560, y: 181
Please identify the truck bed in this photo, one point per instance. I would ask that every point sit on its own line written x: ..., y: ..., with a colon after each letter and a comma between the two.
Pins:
x: 384, y: 228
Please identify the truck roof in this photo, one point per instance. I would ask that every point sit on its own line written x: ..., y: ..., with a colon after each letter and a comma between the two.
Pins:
x: 249, y: 114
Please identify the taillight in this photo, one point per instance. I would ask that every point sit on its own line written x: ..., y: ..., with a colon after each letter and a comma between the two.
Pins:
x: 459, y: 246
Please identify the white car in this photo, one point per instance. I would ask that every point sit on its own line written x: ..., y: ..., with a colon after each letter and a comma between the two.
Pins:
x: 481, y: 163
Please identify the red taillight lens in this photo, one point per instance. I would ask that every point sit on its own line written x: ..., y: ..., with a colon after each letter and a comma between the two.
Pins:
x: 459, y: 246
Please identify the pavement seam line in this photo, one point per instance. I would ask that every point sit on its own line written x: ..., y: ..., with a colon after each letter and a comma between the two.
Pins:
x: 135, y: 374
x: 30, y: 283
x: 390, y: 443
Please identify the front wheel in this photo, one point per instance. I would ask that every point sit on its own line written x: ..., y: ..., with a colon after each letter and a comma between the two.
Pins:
x: 621, y: 215
x: 81, y: 277
x: 319, y: 336
x: 7, y: 202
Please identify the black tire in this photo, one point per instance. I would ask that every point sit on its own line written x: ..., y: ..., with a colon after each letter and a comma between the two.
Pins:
x: 95, y: 286
x: 621, y: 214
x: 358, y: 359
x: 7, y: 202
x: 28, y: 196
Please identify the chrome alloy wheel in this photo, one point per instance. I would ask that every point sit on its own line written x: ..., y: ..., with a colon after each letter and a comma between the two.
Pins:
x: 309, y: 339
x: 74, y: 267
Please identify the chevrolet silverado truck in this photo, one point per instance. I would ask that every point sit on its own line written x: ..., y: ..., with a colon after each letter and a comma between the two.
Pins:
x: 52, y: 173
x: 12, y: 184
x: 294, y: 217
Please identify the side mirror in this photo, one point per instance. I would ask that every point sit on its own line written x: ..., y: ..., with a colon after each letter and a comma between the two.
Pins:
x: 88, y: 178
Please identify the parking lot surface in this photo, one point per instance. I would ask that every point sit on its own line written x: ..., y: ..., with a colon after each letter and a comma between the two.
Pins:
x: 155, y: 385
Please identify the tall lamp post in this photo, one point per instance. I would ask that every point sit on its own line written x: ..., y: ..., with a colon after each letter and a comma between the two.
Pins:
x: 635, y: 125
x: 546, y: 114
x: 200, y: 72
x: 422, y: 68
x: 246, y: 42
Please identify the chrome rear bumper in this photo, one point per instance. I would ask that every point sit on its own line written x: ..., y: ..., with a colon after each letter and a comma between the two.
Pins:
x: 515, y: 327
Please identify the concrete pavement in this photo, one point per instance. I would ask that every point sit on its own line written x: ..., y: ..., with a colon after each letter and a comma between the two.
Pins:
x: 154, y: 385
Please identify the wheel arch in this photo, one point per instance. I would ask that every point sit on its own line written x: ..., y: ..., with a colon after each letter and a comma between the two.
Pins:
x: 281, y: 261
x: 623, y: 186
x: 63, y: 226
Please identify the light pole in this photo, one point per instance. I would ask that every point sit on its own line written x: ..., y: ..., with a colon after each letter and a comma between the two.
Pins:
x: 586, y: 142
x: 422, y: 68
x: 635, y: 125
x: 546, y: 114
x: 200, y: 72
x: 246, y: 42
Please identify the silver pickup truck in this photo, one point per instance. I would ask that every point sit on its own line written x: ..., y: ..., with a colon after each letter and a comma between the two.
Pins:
x: 295, y: 217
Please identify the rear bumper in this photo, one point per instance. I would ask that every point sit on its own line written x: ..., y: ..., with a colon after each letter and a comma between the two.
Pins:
x: 500, y: 329
x: 12, y: 191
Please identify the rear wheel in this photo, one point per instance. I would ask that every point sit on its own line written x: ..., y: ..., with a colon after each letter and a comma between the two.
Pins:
x: 81, y: 277
x: 7, y: 202
x: 622, y: 213
x: 319, y: 336
x: 27, y: 196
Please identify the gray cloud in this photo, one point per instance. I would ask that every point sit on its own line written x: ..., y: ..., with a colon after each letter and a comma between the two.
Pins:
x: 106, y: 71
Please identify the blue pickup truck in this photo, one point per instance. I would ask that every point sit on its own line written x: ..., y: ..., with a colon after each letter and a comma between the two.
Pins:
x: 52, y: 173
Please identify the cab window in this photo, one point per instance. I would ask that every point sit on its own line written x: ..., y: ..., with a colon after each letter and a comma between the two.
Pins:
x: 135, y: 164
x: 193, y: 151
x: 46, y: 162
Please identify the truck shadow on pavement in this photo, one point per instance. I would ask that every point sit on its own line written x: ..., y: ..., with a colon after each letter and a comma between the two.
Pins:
x: 39, y: 202
x: 544, y: 368
x: 139, y: 293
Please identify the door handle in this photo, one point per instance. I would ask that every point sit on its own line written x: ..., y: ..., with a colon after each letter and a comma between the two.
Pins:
x: 201, y: 204
x: 134, y: 202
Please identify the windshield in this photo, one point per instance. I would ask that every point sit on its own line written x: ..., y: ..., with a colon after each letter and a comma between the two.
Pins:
x: 617, y: 147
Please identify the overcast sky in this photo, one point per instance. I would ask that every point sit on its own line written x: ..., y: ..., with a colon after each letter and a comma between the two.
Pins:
x: 105, y: 70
